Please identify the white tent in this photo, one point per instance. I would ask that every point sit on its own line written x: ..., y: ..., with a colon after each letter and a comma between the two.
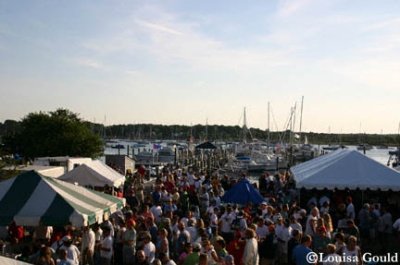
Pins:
x: 345, y: 169
x: 94, y: 173
x: 10, y: 261
x: 31, y: 199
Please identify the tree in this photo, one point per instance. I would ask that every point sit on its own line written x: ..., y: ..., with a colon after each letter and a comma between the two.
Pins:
x: 57, y: 133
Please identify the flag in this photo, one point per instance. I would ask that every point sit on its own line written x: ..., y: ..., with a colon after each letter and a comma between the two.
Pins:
x: 156, y: 146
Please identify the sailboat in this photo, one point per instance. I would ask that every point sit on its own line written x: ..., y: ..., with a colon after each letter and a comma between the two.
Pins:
x: 254, y: 155
x: 394, y: 155
x: 303, y: 151
x: 362, y: 146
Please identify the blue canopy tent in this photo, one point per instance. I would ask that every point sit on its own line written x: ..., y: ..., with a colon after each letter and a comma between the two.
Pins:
x: 242, y: 192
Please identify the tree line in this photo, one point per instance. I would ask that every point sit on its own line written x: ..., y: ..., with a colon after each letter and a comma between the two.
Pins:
x: 48, y: 128
x: 235, y: 133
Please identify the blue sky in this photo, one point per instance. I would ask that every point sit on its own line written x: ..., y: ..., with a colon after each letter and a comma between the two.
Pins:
x: 183, y: 62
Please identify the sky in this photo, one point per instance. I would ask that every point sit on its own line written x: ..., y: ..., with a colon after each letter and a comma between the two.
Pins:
x: 191, y: 62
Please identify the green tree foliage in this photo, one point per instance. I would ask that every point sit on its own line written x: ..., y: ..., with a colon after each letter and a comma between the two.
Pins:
x: 57, y: 133
x: 200, y: 132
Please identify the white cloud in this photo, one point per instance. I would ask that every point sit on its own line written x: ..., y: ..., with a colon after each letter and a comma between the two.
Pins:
x: 390, y: 23
x: 165, y: 38
x: 158, y: 27
x: 289, y: 7
x: 88, y: 63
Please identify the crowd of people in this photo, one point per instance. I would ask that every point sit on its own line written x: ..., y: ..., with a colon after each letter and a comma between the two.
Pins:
x: 179, y: 218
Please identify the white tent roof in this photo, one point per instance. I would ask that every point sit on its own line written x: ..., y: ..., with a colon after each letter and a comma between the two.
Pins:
x: 10, y: 261
x: 30, y: 199
x: 345, y: 169
x: 94, y: 173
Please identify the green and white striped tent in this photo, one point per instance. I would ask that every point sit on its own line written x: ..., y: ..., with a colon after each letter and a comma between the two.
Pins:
x: 31, y: 199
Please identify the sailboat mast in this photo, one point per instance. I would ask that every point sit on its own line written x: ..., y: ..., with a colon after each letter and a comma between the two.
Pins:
x: 244, y: 125
x: 294, y: 119
x: 291, y: 126
x: 206, y: 129
x: 104, y: 127
x: 398, y: 135
x: 301, y: 115
x: 269, y: 129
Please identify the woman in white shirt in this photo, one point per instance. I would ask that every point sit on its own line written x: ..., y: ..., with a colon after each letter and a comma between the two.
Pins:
x: 250, y: 255
x: 351, y: 253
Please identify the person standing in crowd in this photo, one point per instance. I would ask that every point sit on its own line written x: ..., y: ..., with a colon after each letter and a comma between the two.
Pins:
x: 152, y: 228
x: 262, y: 229
x: 214, y: 220
x: 385, y: 227
x: 283, y: 233
x: 149, y: 248
x: 364, y: 220
x: 331, y: 258
x: 156, y: 210
x: 141, y: 258
x: 321, y: 240
x: 339, y: 242
x: 203, y: 259
x: 294, y: 223
x: 98, y: 235
x: 352, y: 252
x: 294, y: 241
x: 301, y: 252
x: 204, y: 199
x: 87, y: 245
x: 267, y: 247
x: 328, y: 224
x: 106, y: 247
x: 250, y: 254
x: 162, y: 245
x: 208, y: 249
x: 72, y: 251
x: 220, y: 248
x: 182, y: 239
x: 193, y: 257
x: 396, y: 227
x: 226, y: 222
x: 129, y: 243
x: 236, y: 248
x: 311, y: 224
x: 45, y: 257
x: 165, y: 259
x: 350, y: 210
x: 42, y: 234
x: 352, y: 229
x: 16, y: 232
x: 62, y: 258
